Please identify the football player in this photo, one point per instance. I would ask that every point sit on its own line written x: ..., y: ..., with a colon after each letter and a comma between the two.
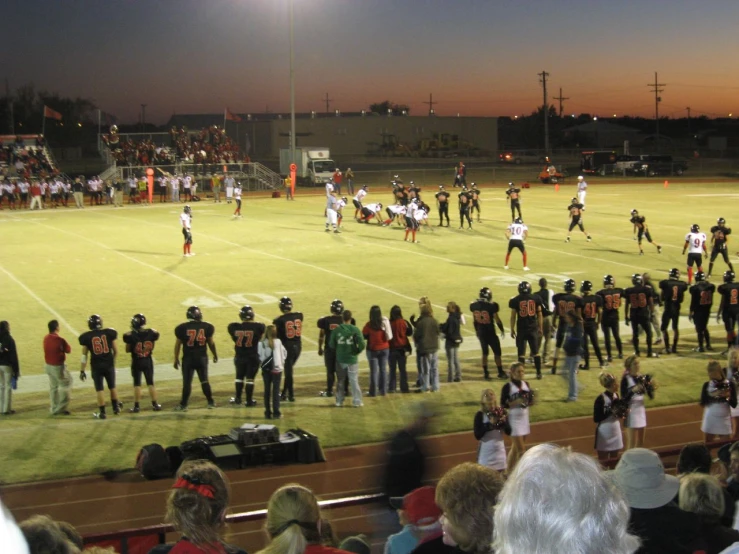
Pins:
x: 332, y: 212
x: 464, y: 201
x: 186, y: 222
x: 395, y: 212
x: 575, y: 209
x: 246, y: 335
x: 475, y: 197
x: 442, y: 203
x: 642, y: 231
x: 371, y: 211
x: 99, y: 342
x: 326, y: 325
x: 340, y: 205
x: 673, y: 293
x: 695, y: 244
x: 526, y: 319
x: 411, y: 223
x: 592, y: 306
x: 237, y: 197
x: 357, y: 200
x: 637, y: 312
x: 513, y: 196
x: 194, y: 338
x: 609, y: 322
x: 516, y: 234
x: 140, y: 342
x: 485, y: 313
x: 728, y: 309
x: 289, y: 330
x: 719, y: 237
x: 563, y: 303
x: 701, y: 300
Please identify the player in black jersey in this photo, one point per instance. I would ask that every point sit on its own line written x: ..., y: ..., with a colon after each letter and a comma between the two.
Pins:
x: 326, y: 325
x: 673, y: 293
x: 575, y: 208
x: 642, y: 231
x: 485, y: 314
x: 728, y: 309
x: 637, y: 311
x: 513, y: 196
x: 547, y: 305
x: 701, y: 300
x: 464, y: 201
x: 442, y: 203
x: 246, y: 335
x: 289, y: 330
x: 194, y: 338
x: 527, y: 322
x: 563, y: 303
x: 719, y: 239
x: 592, y: 306
x: 610, y: 320
x: 475, y: 198
x: 140, y: 342
x: 99, y: 342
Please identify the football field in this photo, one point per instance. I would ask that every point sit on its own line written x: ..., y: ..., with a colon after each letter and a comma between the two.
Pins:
x: 67, y: 264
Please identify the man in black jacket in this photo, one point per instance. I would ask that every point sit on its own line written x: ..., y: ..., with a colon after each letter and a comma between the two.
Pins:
x: 9, y: 369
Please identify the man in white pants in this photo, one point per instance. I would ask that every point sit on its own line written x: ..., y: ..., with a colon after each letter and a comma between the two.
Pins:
x: 332, y: 208
x: 582, y: 190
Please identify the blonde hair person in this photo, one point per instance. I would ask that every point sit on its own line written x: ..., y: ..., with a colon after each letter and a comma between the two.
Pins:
x: 557, y: 500
x: 636, y: 420
x: 293, y: 524
x: 608, y: 436
x: 516, y: 396
x: 732, y: 374
x: 490, y: 427
x: 702, y: 494
x: 718, y: 396
x: 466, y: 495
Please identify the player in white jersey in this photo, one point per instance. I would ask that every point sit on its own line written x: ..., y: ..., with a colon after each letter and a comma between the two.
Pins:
x: 236, y: 195
x: 395, y: 212
x: 582, y: 190
x: 54, y: 189
x: 340, y: 205
x: 163, y: 182
x: 332, y: 212
x: 187, y: 187
x: 357, y: 200
x: 186, y: 223
x: 411, y: 223
x: 695, y: 244
x: 174, y: 183
x: 23, y: 187
x: 369, y: 211
x: 516, y: 235
x: 230, y: 183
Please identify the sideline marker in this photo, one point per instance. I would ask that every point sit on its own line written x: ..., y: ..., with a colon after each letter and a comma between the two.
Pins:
x: 556, y: 187
x: 667, y: 184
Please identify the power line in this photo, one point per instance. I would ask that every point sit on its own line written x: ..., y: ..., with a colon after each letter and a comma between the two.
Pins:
x: 657, y: 99
x: 328, y: 101
x: 545, y: 106
x: 431, y: 103
x: 561, y: 99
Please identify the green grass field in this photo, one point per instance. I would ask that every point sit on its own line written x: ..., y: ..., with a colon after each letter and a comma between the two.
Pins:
x: 68, y: 264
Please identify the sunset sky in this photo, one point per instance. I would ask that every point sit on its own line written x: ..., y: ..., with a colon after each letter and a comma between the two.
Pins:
x: 477, y: 57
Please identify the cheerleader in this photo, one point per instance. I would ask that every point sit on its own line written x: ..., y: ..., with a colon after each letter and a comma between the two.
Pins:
x: 608, y: 437
x: 732, y: 374
x: 717, y: 398
x: 516, y: 397
x: 633, y: 391
x: 489, y: 425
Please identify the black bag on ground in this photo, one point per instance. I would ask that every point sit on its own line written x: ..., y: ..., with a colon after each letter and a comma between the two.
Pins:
x: 152, y: 462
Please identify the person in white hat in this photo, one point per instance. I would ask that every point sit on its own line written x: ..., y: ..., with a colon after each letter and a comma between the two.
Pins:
x: 650, y: 493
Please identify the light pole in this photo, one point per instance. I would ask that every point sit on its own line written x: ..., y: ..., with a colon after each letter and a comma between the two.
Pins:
x: 292, y: 87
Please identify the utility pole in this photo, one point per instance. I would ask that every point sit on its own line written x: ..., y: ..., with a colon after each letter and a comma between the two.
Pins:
x: 143, y: 118
x: 561, y: 98
x: 431, y: 104
x: 545, y: 106
x: 328, y: 101
x: 657, y: 99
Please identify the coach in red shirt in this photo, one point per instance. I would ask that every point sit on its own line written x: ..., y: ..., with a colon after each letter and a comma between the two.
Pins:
x: 60, y: 380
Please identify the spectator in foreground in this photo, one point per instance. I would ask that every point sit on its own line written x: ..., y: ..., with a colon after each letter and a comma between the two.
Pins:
x: 293, y: 523
x: 347, y: 341
x: 197, y: 506
x: 419, y: 516
x: 9, y: 369
x: 426, y: 335
x: 655, y: 517
x: 557, y: 500
x: 45, y: 536
x: 696, y: 458
x: 11, y: 538
x: 701, y: 494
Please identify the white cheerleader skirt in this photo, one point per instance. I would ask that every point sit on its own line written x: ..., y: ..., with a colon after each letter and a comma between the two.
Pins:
x: 608, y: 437
x: 519, y: 420
x: 637, y: 417
x: 717, y: 419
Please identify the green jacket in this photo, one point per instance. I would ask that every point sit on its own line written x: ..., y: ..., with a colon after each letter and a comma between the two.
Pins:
x: 347, y: 341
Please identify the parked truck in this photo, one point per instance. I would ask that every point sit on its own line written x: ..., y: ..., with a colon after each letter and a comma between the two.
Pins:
x: 315, y: 166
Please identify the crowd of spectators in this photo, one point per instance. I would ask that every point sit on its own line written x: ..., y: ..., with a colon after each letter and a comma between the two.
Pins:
x: 25, y: 158
x: 207, y: 146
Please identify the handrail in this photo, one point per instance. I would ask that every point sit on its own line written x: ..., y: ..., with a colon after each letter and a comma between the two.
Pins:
x: 669, y: 452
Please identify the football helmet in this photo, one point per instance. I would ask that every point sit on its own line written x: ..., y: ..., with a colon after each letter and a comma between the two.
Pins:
x: 187, y: 209
x: 511, y: 185
x: 570, y: 285
x: 721, y: 221
x: 574, y: 200
x: 586, y: 286
x: 246, y: 313
x: 637, y: 279
x: 486, y: 294
x: 194, y: 313
x: 138, y: 321
x: 524, y: 287
x: 728, y: 276
x: 609, y: 280
x: 518, y: 220
x: 634, y: 212
x: 365, y: 188
x: 694, y: 228
x: 344, y: 199
x: 337, y: 307
x: 411, y: 183
x: 674, y: 273
x: 380, y: 205
x: 285, y: 304
x: 441, y: 187
x: 94, y: 322
x: 700, y: 276
x: 473, y: 185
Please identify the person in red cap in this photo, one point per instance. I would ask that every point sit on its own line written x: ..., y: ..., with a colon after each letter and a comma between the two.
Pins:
x: 419, y: 516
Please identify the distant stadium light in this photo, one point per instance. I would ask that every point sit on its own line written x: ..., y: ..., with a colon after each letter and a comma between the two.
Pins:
x: 431, y: 112
x: 405, y: 112
x: 389, y: 112
x: 248, y: 117
x: 279, y: 116
x: 457, y: 114
x: 614, y: 115
x: 364, y: 113
x: 595, y: 118
x: 573, y: 115
x: 515, y: 117
x: 337, y: 113
x: 79, y: 125
x: 313, y: 114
